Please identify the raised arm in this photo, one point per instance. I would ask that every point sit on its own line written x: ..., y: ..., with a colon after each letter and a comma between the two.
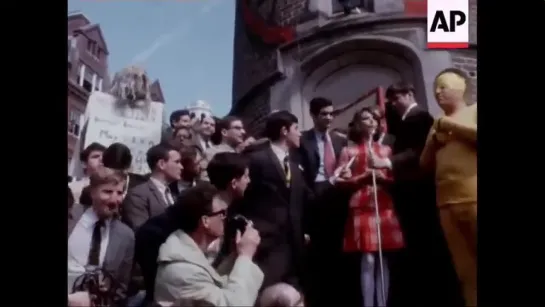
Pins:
x: 195, y: 284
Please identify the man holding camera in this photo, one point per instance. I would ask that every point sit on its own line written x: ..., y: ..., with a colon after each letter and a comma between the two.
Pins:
x: 184, y: 274
x: 228, y: 172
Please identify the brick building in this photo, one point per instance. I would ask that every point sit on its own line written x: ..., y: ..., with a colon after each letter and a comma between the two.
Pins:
x: 88, y: 71
x: 335, y: 56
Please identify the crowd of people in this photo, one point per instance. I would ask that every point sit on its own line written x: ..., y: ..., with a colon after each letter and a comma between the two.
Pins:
x: 286, y: 218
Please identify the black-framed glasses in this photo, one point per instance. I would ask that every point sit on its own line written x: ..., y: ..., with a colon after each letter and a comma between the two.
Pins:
x: 222, y: 213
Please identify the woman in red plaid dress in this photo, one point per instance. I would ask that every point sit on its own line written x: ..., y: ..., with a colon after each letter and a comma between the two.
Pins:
x: 361, y: 226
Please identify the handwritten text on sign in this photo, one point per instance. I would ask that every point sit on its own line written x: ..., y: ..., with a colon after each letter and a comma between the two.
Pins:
x: 139, y: 129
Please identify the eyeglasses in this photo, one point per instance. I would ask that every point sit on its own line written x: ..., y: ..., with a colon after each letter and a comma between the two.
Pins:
x: 221, y: 213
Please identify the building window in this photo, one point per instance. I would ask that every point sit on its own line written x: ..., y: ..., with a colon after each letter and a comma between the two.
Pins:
x: 98, y: 84
x: 91, y: 46
x: 81, y: 69
x: 363, y: 4
x: 73, y: 122
x: 94, y: 49
x: 88, y: 79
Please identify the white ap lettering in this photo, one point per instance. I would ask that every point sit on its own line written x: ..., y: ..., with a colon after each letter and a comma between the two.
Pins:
x: 456, y: 18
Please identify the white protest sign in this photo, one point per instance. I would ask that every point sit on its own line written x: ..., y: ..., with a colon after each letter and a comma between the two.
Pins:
x: 138, y: 128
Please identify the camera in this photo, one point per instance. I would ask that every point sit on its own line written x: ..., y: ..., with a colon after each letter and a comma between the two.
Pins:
x: 101, y: 285
x: 232, y: 224
x: 238, y: 222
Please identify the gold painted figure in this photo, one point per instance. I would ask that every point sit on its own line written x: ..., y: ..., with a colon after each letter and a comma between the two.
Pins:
x: 451, y: 150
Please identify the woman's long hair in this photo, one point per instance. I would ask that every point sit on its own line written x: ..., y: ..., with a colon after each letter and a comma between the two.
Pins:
x: 357, y: 130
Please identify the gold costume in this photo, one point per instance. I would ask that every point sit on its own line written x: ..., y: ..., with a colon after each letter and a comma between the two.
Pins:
x: 451, y: 149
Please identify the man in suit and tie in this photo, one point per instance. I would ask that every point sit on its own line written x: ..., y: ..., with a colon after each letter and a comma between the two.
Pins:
x: 153, y: 196
x: 319, y: 152
x: 427, y: 264
x: 96, y: 237
x: 274, y: 202
x: 320, y: 148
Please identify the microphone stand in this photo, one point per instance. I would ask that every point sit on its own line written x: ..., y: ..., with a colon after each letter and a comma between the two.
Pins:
x: 377, y: 218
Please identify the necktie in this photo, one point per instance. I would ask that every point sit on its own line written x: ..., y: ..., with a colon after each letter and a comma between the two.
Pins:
x: 329, y: 157
x: 168, y: 197
x: 96, y: 239
x: 287, y: 170
x: 207, y: 145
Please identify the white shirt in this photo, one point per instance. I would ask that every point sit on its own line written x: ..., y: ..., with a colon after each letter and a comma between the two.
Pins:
x: 280, y: 153
x: 204, y: 144
x: 414, y: 104
x: 162, y: 189
x: 320, y: 176
x: 79, y: 242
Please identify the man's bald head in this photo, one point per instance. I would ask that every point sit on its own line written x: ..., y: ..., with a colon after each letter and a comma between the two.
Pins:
x: 280, y: 295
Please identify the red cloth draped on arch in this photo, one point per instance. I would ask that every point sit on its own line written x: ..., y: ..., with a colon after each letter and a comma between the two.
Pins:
x: 272, y: 35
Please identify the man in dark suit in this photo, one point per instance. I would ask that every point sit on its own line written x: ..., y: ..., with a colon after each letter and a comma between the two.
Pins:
x: 319, y: 152
x: 320, y: 149
x: 274, y: 202
x: 426, y: 269
x: 153, y: 196
x: 228, y: 172
x: 95, y: 236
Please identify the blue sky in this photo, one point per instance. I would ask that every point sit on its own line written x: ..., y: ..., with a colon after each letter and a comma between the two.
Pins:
x: 186, y: 44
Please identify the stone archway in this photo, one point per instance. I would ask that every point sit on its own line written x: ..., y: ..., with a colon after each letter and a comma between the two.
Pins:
x: 346, y: 69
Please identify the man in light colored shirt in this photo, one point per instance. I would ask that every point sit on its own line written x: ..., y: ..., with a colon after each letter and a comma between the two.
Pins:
x: 232, y: 134
x: 153, y: 196
x: 184, y: 274
x: 96, y: 238
x: 91, y: 159
x: 229, y: 173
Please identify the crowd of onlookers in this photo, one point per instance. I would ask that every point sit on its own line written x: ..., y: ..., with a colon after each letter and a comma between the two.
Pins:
x: 367, y: 217
x: 179, y: 162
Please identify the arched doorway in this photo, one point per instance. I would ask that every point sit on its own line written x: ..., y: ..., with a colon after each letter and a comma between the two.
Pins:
x: 346, y: 70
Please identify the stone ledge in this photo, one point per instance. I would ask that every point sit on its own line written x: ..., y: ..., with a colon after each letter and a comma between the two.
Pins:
x: 357, y: 21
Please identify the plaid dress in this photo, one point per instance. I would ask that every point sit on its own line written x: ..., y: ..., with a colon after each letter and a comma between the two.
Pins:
x: 361, y: 227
